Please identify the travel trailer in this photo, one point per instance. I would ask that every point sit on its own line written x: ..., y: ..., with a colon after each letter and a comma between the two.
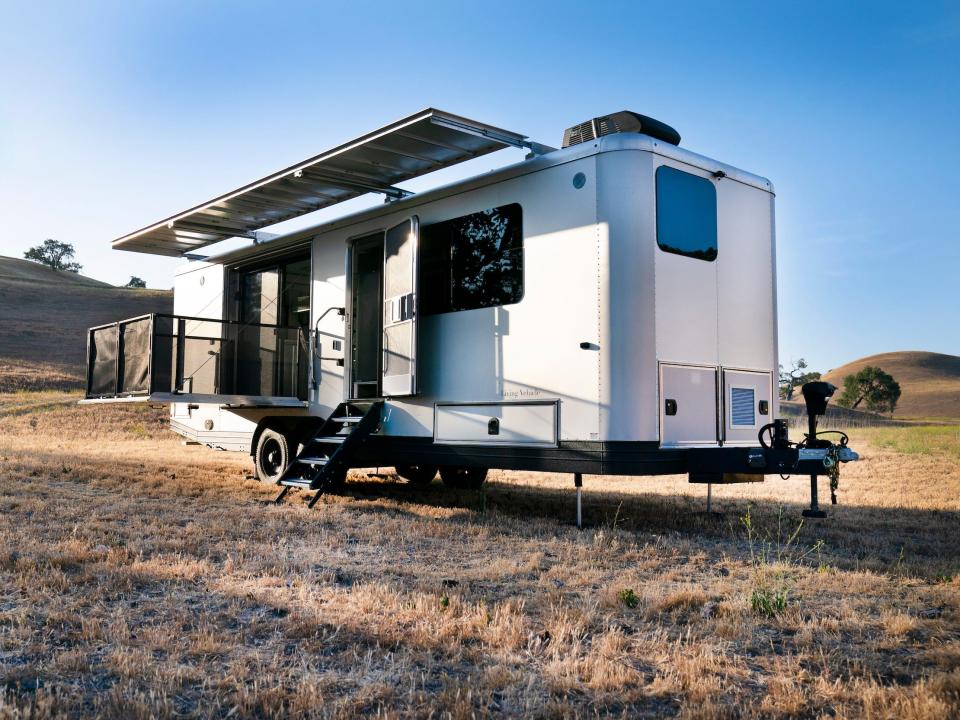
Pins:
x: 606, y: 308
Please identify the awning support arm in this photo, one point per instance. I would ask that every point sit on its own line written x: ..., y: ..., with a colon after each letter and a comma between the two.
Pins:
x: 516, y: 141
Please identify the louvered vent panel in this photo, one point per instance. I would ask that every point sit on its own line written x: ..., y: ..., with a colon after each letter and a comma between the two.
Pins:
x: 578, y: 134
x: 608, y: 126
x: 741, y: 407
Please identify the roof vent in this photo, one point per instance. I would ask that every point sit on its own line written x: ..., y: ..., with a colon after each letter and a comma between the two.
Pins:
x: 619, y: 122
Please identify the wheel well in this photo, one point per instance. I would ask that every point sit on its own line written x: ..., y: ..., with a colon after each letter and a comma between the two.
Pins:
x: 298, y: 429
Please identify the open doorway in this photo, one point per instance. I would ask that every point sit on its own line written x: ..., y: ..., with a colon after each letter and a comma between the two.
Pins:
x: 366, y: 317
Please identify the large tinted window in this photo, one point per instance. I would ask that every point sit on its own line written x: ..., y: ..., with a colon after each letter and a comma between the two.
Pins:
x: 278, y: 294
x: 473, y: 261
x: 686, y: 214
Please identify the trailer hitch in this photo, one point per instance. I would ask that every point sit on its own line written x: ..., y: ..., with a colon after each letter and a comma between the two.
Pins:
x: 816, y: 395
x: 816, y: 454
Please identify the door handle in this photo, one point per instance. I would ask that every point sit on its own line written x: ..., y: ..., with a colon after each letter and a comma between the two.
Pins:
x: 670, y: 407
x: 401, y: 308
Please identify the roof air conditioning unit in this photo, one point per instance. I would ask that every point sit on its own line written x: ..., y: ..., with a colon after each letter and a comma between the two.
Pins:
x: 619, y: 122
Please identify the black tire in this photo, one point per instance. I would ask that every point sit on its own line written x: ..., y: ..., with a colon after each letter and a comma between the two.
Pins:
x: 463, y: 478
x: 272, y: 456
x: 419, y: 475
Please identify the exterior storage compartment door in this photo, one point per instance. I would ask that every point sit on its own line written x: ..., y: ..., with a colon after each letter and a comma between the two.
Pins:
x: 688, y: 405
x: 492, y: 423
x: 747, y: 405
x: 400, y: 309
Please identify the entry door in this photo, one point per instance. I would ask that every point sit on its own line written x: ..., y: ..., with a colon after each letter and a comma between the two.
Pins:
x: 400, y: 309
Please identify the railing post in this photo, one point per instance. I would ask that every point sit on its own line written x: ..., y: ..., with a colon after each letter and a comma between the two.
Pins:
x: 116, y: 373
x: 178, y: 374
x: 150, y: 356
x: 89, y: 363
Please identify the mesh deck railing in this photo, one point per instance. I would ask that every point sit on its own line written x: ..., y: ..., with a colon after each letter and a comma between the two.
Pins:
x: 175, y: 354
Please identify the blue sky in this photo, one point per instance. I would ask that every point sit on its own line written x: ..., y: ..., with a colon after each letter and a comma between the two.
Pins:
x: 115, y: 115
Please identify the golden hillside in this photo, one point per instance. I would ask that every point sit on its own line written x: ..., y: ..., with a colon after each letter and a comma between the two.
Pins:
x: 930, y: 382
x: 44, y: 316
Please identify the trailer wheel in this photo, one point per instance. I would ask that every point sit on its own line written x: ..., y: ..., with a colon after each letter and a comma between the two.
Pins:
x: 463, y: 478
x: 272, y: 455
x: 419, y: 475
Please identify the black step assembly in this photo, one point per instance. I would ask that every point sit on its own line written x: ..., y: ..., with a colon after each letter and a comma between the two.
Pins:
x: 324, y: 460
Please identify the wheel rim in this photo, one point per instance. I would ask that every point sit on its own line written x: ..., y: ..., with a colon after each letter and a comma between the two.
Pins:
x: 271, y: 458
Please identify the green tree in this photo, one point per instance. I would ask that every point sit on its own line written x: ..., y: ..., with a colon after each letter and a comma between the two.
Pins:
x: 54, y: 254
x: 872, y: 387
x: 794, y: 377
x: 136, y: 282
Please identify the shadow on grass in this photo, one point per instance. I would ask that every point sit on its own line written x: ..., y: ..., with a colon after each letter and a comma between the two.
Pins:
x: 912, y: 541
x: 909, y: 541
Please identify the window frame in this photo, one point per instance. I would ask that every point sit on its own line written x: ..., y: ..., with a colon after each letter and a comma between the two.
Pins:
x: 275, y: 261
x: 659, y: 216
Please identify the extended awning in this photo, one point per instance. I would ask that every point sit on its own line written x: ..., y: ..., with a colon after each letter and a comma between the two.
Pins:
x: 427, y: 141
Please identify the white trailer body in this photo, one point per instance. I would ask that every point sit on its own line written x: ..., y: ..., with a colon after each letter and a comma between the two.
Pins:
x: 606, y: 308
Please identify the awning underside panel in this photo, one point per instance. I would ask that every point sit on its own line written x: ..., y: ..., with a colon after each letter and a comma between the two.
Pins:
x: 425, y: 142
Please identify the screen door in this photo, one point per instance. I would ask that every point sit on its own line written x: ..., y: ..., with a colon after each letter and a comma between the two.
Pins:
x: 400, y: 309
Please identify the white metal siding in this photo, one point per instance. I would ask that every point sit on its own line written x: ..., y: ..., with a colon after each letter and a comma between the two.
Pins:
x: 628, y: 388
x: 745, y: 280
x: 198, y: 290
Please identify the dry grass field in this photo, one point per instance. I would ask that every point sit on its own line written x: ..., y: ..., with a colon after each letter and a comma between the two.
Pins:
x: 142, y: 578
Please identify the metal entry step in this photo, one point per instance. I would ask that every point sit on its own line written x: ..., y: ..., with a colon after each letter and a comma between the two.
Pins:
x: 326, y: 470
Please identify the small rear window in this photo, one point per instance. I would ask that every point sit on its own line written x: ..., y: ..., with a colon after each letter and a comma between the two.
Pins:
x: 686, y: 214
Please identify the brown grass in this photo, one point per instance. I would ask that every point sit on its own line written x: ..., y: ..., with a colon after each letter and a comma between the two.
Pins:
x: 142, y: 578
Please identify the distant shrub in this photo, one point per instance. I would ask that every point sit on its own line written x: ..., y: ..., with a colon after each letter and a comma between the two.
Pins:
x: 628, y: 597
